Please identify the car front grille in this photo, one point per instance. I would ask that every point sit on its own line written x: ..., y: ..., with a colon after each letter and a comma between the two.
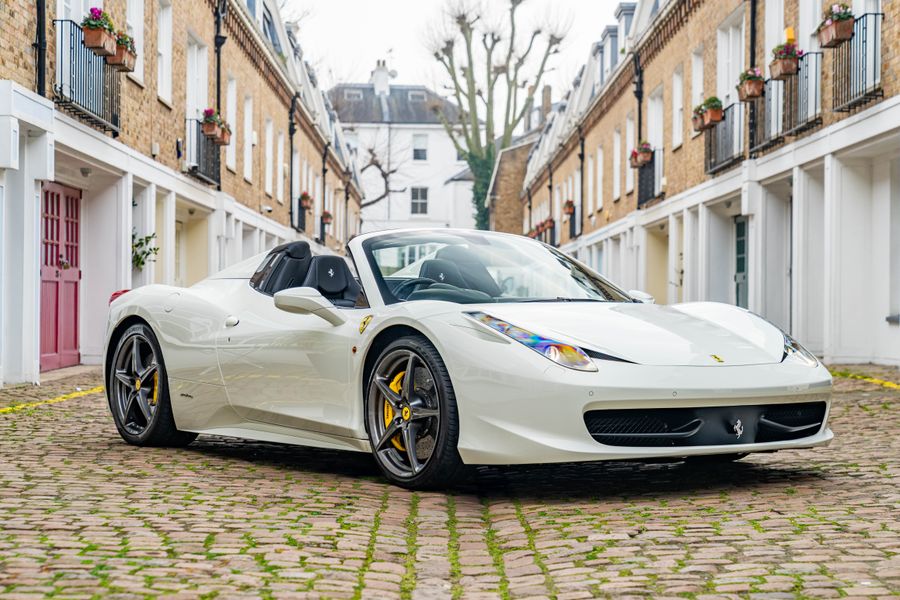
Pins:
x: 705, y: 426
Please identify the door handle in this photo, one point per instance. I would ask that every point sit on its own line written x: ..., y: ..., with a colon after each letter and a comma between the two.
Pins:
x: 231, y: 321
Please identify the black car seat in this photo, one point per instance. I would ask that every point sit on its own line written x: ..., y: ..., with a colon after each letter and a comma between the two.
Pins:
x: 334, y: 280
x: 291, y: 270
x: 442, y: 271
x: 473, y: 272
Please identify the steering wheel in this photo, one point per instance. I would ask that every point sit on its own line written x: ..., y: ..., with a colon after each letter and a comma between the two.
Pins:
x: 411, y: 283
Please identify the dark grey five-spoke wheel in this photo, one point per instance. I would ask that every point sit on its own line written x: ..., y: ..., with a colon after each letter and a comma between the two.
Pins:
x: 411, y: 415
x: 138, y: 391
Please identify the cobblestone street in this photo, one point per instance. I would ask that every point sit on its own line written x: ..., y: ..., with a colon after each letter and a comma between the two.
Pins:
x: 82, y: 514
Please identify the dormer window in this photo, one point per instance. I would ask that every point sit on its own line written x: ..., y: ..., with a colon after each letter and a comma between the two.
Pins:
x: 353, y: 95
x: 269, y: 30
x: 417, y: 96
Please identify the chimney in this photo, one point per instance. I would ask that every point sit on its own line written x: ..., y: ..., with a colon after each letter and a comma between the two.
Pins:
x: 545, y: 103
x: 381, y: 78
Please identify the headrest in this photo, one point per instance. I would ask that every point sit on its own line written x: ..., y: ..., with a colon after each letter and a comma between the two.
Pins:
x: 442, y: 271
x: 331, y: 274
x: 294, y: 249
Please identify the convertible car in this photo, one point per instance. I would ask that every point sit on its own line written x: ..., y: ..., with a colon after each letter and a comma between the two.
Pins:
x: 436, y: 349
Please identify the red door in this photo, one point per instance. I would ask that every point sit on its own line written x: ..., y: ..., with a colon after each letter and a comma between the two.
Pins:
x: 60, y: 276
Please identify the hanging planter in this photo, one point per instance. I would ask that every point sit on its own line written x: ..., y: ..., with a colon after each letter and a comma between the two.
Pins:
x: 569, y: 207
x: 712, y: 112
x: 697, y: 119
x: 98, y: 32
x: 751, y: 85
x: 836, y: 27
x: 212, y: 123
x: 326, y: 217
x: 305, y: 201
x: 224, y: 137
x: 532, y: 233
x: 785, y: 61
x: 125, y: 56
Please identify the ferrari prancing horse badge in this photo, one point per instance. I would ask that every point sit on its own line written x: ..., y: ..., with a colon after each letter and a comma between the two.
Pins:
x: 365, y: 323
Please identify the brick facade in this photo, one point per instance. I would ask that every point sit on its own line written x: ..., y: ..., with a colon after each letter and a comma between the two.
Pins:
x: 506, y: 207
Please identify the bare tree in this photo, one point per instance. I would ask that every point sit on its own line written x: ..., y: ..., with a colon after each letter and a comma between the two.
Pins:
x: 375, y: 162
x: 493, y: 71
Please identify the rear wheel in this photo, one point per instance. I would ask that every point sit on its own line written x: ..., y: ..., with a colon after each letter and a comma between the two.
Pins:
x: 411, y: 416
x: 138, y: 392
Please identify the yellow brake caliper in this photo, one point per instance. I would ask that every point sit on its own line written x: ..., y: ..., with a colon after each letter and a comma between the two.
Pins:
x: 396, y: 385
x: 155, y: 396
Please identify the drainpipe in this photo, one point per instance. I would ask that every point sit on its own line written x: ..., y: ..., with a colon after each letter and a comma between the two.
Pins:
x: 220, y: 39
x: 347, y: 174
x: 638, y: 94
x: 324, y: 172
x: 292, y: 129
x: 530, y: 220
x: 550, y: 198
x: 581, y: 183
x: 40, y: 48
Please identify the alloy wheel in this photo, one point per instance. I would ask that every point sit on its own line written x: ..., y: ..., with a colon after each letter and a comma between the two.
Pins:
x: 136, y: 384
x: 404, y: 413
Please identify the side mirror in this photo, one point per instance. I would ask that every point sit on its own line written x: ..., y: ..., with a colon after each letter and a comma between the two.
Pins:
x: 642, y: 296
x: 308, y: 301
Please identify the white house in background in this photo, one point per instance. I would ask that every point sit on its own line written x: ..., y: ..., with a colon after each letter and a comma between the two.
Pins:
x: 399, y: 123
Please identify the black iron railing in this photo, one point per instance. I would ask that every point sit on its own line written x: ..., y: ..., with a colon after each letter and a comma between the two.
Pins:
x: 650, y: 179
x: 202, y: 154
x: 766, y: 121
x: 725, y: 140
x: 85, y: 85
x: 802, y: 96
x: 857, y: 65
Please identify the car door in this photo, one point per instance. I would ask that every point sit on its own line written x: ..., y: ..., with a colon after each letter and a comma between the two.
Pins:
x: 287, y: 369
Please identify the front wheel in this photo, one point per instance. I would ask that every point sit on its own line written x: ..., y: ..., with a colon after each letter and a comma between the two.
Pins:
x: 411, y: 416
x: 138, y: 392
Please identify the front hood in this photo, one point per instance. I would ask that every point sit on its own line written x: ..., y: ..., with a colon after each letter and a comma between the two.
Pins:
x: 695, y: 334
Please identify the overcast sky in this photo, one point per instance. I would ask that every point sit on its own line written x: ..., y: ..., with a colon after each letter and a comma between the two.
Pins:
x: 342, y: 39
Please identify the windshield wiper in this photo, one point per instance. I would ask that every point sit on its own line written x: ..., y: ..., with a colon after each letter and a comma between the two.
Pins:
x: 563, y: 299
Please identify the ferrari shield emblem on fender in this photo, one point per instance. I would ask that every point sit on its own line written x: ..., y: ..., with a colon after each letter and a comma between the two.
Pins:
x: 365, y: 323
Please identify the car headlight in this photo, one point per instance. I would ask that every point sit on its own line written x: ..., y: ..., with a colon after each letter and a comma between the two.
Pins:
x: 566, y: 355
x: 792, y: 348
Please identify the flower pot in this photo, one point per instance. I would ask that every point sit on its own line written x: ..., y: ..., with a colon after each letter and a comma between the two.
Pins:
x: 224, y: 137
x: 100, y: 41
x: 751, y: 89
x: 123, y: 60
x: 635, y: 162
x: 569, y: 209
x: 831, y: 36
x: 211, y: 129
x: 782, y: 68
x: 697, y: 122
x: 645, y: 156
x: 306, y: 203
x: 712, y: 116
x: 327, y: 219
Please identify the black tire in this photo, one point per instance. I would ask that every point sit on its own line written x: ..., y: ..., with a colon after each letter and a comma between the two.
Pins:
x: 142, y: 414
x: 428, y: 392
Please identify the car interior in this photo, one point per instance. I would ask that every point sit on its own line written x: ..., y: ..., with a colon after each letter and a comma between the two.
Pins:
x: 294, y: 265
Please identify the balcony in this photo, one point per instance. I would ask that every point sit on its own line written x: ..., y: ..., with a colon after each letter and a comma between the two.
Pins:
x: 725, y: 140
x: 202, y: 155
x: 766, y: 117
x: 802, y: 99
x: 650, y: 179
x: 857, y: 65
x: 85, y: 86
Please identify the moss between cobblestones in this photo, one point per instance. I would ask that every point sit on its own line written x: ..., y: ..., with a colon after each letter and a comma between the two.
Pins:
x: 456, y: 588
x: 370, y: 548
x: 490, y: 539
x: 408, y: 583
x: 532, y: 545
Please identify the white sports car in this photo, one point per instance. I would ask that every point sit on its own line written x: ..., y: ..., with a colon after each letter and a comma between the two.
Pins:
x: 448, y: 348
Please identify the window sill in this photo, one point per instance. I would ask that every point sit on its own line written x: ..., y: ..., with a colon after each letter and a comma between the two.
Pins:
x: 232, y: 168
x: 138, y: 81
x: 166, y: 103
x: 695, y: 133
x: 248, y: 180
x: 678, y: 147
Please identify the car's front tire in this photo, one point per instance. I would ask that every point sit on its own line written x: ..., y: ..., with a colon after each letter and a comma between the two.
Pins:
x: 411, y: 416
x: 138, y: 392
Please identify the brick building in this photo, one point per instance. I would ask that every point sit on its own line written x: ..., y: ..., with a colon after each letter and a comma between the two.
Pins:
x: 93, y: 156
x: 790, y: 206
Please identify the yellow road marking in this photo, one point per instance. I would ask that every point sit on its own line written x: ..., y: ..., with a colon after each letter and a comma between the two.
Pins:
x: 63, y: 398
x: 849, y: 375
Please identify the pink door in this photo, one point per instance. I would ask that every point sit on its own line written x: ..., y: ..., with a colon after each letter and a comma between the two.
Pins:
x: 60, y: 276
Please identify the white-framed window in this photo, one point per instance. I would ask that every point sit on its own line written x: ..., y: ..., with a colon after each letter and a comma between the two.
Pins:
x: 279, y: 168
x: 267, y: 181
x: 630, y: 142
x: 589, y: 183
x: 248, y: 138
x: 270, y: 30
x: 134, y: 27
x: 600, y: 178
x: 655, y: 119
x: 231, y: 119
x: 617, y: 165
x: 774, y: 30
x: 677, y: 107
x: 418, y: 201
x: 697, y: 78
x: 729, y: 56
x: 353, y: 94
x: 420, y: 146
x: 295, y: 180
x: 196, y: 84
x: 252, y: 8
x: 164, y: 50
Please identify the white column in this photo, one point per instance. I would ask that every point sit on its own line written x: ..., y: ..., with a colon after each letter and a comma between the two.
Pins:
x: 147, y: 215
x: 124, y: 193
x: 702, y: 262
x: 688, y: 259
x: 167, y: 247
x: 832, y: 233
x: 639, y: 239
x: 674, y: 266
x: 215, y: 241
x: 753, y: 206
x: 799, y: 249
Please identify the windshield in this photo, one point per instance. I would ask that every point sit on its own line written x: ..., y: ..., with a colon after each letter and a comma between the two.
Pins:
x: 474, y: 267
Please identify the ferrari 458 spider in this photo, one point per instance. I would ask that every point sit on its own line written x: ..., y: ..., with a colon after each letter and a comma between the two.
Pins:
x: 435, y: 349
